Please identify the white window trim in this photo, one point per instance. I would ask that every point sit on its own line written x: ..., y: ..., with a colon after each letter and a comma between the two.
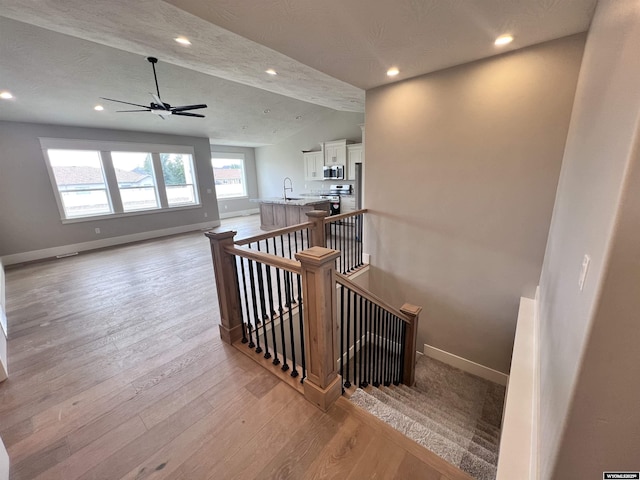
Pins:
x: 113, y: 191
x: 232, y: 156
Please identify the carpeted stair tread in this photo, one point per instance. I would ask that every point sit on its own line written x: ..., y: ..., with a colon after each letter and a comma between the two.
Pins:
x: 426, y: 404
x: 466, y: 430
x: 432, y: 398
x: 464, y: 440
x: 445, y: 448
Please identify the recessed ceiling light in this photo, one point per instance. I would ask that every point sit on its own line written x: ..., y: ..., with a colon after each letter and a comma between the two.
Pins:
x: 183, y: 41
x: 266, y: 110
x: 244, y: 127
x: 98, y: 108
x: 503, y: 40
x: 271, y: 71
x: 299, y: 117
x: 393, y: 71
x: 6, y: 95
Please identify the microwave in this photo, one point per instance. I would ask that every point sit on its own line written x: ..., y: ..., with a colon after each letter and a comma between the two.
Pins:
x: 333, y: 172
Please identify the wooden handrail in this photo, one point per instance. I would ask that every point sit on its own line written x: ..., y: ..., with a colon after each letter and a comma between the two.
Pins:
x: 342, y: 216
x: 266, y: 258
x: 273, y: 233
x: 347, y: 282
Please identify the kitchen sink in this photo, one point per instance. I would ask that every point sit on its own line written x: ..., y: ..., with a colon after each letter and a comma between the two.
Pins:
x: 293, y: 198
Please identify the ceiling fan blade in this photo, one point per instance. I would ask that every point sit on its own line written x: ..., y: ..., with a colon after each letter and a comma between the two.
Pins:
x: 127, y: 103
x: 159, y: 102
x: 121, y: 111
x: 188, y: 107
x: 186, y: 114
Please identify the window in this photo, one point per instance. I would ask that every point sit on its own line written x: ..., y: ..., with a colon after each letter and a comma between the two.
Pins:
x: 179, y: 178
x: 136, y: 182
x: 79, y: 177
x: 228, y: 175
x: 106, y: 178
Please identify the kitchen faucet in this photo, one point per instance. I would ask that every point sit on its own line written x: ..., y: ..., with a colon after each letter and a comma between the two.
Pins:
x: 284, y: 186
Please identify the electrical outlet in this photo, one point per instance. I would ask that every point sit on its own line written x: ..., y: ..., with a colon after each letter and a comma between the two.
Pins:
x: 97, y: 231
x: 208, y: 190
x: 206, y: 214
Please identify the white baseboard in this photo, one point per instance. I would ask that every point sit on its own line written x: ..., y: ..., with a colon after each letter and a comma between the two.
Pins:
x: 240, y: 213
x: 466, y: 365
x: 103, y: 242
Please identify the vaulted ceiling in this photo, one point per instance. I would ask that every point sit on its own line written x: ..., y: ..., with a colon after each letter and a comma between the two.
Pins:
x: 57, y: 57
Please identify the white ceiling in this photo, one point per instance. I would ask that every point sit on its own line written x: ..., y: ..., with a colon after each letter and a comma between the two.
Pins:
x: 58, y: 56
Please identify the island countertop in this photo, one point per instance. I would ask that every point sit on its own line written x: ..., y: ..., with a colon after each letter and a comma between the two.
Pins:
x: 276, y: 212
x: 298, y: 201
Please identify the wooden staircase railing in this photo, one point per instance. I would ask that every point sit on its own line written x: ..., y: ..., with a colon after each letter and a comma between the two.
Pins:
x: 278, y: 294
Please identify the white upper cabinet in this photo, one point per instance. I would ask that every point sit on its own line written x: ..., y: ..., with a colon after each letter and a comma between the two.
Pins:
x: 335, y: 152
x: 313, y: 163
x: 355, y: 154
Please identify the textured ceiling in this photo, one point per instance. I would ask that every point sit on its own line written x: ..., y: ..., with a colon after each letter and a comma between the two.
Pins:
x: 326, y: 53
x: 358, y: 40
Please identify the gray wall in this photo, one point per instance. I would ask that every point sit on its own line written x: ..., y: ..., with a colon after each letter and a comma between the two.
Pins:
x: 590, y: 360
x: 29, y: 216
x: 462, y: 167
x: 234, y: 205
x: 275, y: 162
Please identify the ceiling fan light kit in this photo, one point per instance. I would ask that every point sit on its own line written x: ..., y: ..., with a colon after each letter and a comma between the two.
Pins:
x: 159, y: 107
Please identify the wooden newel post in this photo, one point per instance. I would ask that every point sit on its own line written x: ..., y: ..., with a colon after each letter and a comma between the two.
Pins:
x: 323, y: 385
x: 224, y: 268
x: 317, y: 231
x: 410, y: 339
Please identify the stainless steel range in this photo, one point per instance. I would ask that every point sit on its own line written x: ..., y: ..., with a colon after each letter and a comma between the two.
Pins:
x: 335, y: 192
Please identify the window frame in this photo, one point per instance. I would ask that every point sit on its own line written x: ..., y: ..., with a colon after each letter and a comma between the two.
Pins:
x: 104, y: 149
x: 231, y: 156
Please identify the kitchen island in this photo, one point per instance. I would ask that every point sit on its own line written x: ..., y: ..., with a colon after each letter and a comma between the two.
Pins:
x: 278, y: 212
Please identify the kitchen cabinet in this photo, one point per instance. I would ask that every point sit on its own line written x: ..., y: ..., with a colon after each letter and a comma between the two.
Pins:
x: 279, y: 213
x: 347, y: 203
x: 355, y: 154
x: 313, y: 163
x: 335, y: 152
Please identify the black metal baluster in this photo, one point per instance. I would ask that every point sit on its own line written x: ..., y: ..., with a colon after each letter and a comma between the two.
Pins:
x: 402, y: 350
x: 344, y: 248
x: 380, y: 346
x: 272, y: 309
x: 349, y: 248
x: 295, y: 239
x: 294, y: 371
x: 387, y: 356
x: 355, y: 338
x: 376, y: 355
x: 255, y: 306
x: 347, y: 384
x: 365, y: 344
x: 341, y: 313
x: 301, y: 318
x: 361, y: 339
x: 359, y: 238
x: 396, y: 349
x: 370, y: 344
x: 280, y: 309
x: 263, y: 305
x: 289, y: 242
x: 285, y: 365
x: 383, y: 352
x: 308, y: 238
x: 246, y: 320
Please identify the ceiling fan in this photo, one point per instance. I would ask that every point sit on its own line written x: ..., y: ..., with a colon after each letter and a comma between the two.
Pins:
x: 158, y: 106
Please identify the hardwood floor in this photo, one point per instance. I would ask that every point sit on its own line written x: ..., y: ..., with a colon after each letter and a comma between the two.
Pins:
x: 116, y: 370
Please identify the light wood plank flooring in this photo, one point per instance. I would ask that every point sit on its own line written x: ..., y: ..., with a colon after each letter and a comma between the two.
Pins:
x: 117, y: 371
